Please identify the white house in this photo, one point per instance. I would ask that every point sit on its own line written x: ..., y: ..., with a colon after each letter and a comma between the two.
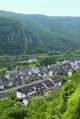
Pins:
x: 20, y: 95
x: 70, y: 73
x: 32, y: 60
x: 26, y: 100
x: 50, y: 73
x: 57, y: 81
x: 1, y: 86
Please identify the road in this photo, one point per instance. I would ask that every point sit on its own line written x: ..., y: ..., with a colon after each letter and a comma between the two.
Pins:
x: 16, y: 88
x: 22, y: 55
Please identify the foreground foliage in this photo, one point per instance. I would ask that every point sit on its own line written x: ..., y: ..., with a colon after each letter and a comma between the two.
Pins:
x: 61, y: 104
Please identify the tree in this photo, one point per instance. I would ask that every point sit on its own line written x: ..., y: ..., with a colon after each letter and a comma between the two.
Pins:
x: 12, y: 95
x: 25, y: 63
x: 67, y: 90
x: 9, y: 67
x: 48, y: 60
x: 73, y: 106
x: 37, y: 65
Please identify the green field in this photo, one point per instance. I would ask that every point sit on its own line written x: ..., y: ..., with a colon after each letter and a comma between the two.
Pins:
x: 18, y: 60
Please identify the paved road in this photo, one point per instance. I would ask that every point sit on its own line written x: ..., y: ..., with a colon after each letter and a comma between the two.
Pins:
x: 16, y: 88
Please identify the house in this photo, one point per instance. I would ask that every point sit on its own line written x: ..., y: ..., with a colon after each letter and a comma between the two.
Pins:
x: 61, y: 70
x: 47, y: 92
x: 66, y: 61
x: 16, y: 80
x: 35, y: 70
x: 10, y: 83
x: 29, y: 96
x: 50, y: 73
x: 48, y: 66
x: 3, y: 81
x: 38, y: 89
x: 12, y: 73
x: 43, y: 69
x: 68, y: 67
x: 7, y: 74
x: 49, y: 84
x: 32, y: 60
x: 29, y: 93
x: 17, y: 77
x: 26, y: 100
x: 70, y: 73
x: 20, y: 94
x: 57, y: 81
x: 26, y: 93
x: 72, y: 63
x: 2, y: 84
x: 33, y: 94
x: 78, y: 65
x: 44, y: 75
x: 35, y: 87
x: 23, y: 92
x: 3, y: 96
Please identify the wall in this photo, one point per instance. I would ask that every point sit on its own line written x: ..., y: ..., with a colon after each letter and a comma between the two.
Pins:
x: 20, y: 95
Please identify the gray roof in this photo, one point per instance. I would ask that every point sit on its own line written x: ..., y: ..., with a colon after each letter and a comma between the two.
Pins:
x: 3, y: 95
x: 27, y: 98
x: 56, y: 79
x: 40, y: 86
x: 49, y: 83
x: 33, y: 94
x: 25, y: 90
x: 1, y: 82
x: 2, y: 79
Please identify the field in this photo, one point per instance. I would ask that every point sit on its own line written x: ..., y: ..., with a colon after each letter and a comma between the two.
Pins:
x: 20, y: 60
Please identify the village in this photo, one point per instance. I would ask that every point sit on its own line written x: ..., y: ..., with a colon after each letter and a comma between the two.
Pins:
x: 29, y: 82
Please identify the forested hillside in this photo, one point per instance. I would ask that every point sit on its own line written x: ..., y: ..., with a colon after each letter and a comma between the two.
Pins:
x: 14, y: 39
x: 53, y: 33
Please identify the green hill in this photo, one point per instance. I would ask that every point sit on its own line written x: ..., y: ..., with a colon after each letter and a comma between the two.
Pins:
x: 14, y: 39
x: 54, y: 33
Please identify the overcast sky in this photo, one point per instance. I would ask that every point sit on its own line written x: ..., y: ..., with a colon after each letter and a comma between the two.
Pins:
x: 47, y: 7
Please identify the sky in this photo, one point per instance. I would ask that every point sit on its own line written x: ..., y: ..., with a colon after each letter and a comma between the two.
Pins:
x: 46, y: 7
